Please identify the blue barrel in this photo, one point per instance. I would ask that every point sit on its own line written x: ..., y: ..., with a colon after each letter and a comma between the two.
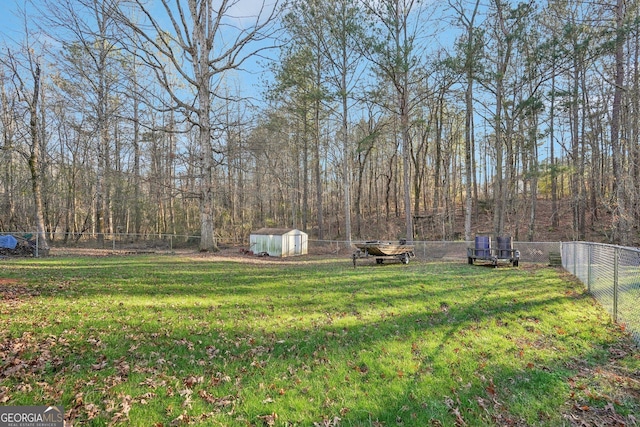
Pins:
x: 504, y: 247
x: 483, y: 246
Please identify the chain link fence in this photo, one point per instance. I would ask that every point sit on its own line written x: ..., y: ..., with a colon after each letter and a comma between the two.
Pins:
x: 78, y: 243
x: 531, y: 252
x: 72, y: 243
x: 612, y: 275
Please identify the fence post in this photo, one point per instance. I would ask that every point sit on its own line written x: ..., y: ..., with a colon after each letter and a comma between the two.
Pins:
x: 616, y: 256
x: 575, y: 258
x: 589, y: 268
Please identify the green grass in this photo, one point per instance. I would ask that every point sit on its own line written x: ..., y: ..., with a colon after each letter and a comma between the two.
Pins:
x: 148, y: 340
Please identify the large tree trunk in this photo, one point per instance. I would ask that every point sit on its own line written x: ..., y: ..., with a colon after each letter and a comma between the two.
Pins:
x: 207, y: 226
x: 202, y: 46
x: 34, y: 161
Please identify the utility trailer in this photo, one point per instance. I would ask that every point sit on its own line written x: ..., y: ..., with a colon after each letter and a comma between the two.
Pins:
x: 484, y: 251
x: 384, y: 251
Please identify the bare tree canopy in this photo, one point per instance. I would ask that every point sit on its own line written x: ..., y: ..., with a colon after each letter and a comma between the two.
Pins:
x: 391, y: 119
x: 190, y: 46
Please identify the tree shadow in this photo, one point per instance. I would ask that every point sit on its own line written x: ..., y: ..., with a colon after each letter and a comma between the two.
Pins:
x: 437, y: 342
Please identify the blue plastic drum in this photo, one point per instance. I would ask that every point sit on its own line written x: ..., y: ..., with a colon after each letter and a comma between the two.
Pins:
x: 483, y: 246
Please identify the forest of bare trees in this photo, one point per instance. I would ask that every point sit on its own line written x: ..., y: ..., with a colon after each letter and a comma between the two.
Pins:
x: 348, y: 119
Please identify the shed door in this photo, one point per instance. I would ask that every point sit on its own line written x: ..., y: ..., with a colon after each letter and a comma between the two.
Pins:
x: 297, y: 244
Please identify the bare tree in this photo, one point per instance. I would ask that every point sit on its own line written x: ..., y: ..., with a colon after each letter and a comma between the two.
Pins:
x: 395, y: 52
x: 471, y: 48
x: 621, y: 223
x: 195, y: 44
x: 300, y: 79
x: 26, y: 75
x: 87, y: 32
x: 7, y: 104
x: 345, y: 31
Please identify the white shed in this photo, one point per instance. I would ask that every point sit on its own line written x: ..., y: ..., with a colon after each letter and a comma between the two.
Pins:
x: 280, y: 242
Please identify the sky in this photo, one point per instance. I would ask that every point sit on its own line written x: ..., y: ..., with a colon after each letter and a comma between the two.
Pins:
x: 10, y: 24
x: 12, y: 29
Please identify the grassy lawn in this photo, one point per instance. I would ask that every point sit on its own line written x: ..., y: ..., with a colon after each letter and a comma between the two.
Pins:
x: 178, y: 340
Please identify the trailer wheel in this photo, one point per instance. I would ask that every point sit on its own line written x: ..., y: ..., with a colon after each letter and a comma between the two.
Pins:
x: 470, y: 260
x: 405, y: 259
x: 379, y: 260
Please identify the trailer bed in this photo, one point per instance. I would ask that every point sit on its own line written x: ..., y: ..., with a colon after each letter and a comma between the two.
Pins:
x: 384, y: 251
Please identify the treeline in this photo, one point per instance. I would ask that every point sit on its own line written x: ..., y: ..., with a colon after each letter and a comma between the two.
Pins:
x: 363, y: 118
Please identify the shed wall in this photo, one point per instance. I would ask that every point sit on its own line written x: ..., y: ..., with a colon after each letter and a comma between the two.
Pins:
x: 292, y: 243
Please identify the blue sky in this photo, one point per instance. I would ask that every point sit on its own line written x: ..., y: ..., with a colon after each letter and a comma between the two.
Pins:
x: 12, y: 33
x: 10, y: 24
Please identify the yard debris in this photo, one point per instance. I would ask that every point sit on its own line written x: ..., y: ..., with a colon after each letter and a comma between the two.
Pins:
x: 17, y: 246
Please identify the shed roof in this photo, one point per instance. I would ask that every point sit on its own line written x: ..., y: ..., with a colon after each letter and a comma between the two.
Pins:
x: 273, y: 231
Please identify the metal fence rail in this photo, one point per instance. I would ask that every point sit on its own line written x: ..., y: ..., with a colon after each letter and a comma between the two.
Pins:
x: 612, y: 275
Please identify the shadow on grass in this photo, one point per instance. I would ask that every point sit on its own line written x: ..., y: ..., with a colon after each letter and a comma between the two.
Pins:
x: 403, y: 345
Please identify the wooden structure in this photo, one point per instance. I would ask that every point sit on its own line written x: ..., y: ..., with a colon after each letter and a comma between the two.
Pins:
x: 384, y: 251
x: 555, y: 259
x: 279, y: 242
x: 486, y: 251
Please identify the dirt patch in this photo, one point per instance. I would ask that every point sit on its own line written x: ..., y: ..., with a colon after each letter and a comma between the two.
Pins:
x: 240, y: 256
x: 229, y: 253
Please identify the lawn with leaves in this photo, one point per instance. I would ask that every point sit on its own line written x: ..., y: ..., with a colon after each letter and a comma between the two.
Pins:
x: 179, y: 340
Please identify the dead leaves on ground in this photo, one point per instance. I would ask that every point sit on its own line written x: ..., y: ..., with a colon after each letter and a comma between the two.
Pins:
x: 25, y: 360
x: 598, y: 394
x: 178, y: 373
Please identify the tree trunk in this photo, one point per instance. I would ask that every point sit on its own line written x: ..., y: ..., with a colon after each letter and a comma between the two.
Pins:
x: 318, y: 173
x: 137, y: 206
x: 468, y: 150
x: 8, y: 125
x: 621, y: 222
x: 555, y: 218
x: 34, y: 158
x: 635, y: 125
x: 499, y: 185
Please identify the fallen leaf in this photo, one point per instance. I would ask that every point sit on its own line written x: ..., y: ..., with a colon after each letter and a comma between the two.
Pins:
x: 182, y: 419
x: 99, y: 366
x: 491, y: 389
x: 270, y: 419
x: 191, y: 381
